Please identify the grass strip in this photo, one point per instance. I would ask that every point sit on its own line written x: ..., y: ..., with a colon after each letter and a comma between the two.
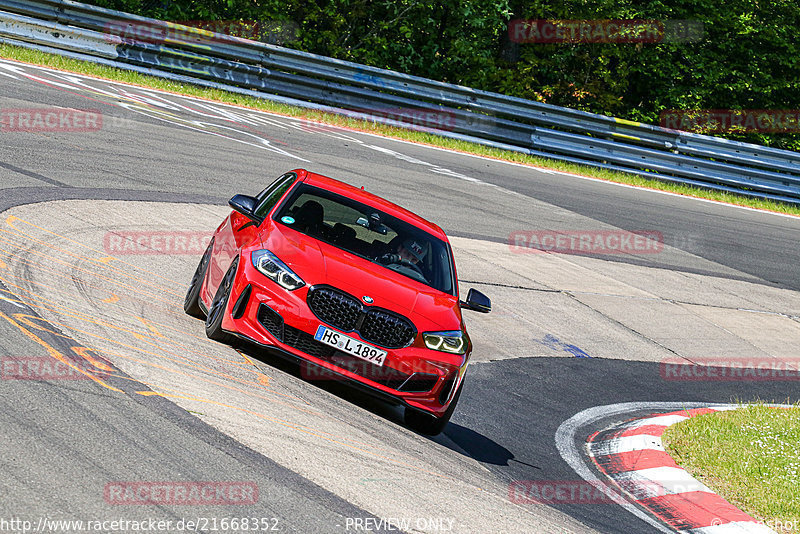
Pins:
x: 750, y: 456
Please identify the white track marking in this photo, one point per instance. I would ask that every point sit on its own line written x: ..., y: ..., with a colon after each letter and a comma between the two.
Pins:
x: 734, y: 527
x: 662, y: 481
x: 660, y: 420
x: 668, y: 477
x: 17, y: 304
x: 567, y: 432
x: 626, y: 444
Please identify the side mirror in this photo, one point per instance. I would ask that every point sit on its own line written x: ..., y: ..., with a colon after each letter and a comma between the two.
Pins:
x: 245, y: 205
x: 477, y: 301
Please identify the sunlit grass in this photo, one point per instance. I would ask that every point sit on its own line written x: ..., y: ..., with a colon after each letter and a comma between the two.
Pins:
x: 750, y: 456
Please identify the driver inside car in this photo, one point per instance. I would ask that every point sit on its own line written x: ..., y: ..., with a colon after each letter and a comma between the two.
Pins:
x: 409, y: 253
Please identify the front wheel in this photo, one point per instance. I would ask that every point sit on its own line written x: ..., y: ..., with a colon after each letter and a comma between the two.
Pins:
x: 430, y: 425
x: 216, y: 312
x: 191, y: 304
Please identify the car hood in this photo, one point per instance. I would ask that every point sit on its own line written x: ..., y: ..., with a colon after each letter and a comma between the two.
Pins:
x: 317, y: 262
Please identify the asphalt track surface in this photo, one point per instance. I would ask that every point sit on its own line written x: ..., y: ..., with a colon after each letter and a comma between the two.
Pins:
x: 63, y: 441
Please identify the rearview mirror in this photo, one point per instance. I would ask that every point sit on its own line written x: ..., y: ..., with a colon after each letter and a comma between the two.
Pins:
x: 477, y: 301
x: 245, y: 205
x: 371, y: 224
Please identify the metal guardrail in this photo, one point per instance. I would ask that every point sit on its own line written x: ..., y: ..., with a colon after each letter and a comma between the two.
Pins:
x: 489, y: 118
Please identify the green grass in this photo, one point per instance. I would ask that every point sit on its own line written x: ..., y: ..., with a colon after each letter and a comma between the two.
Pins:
x: 100, y: 71
x: 750, y: 456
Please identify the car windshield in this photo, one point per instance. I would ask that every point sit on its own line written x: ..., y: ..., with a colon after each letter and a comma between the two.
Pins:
x: 370, y: 233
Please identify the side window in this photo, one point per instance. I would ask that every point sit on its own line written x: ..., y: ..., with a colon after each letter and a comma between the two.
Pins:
x: 272, y: 194
x: 263, y: 194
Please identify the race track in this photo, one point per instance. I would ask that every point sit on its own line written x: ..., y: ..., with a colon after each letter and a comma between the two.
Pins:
x: 159, y: 402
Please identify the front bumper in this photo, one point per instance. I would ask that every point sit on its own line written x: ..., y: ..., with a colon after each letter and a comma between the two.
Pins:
x: 263, y: 312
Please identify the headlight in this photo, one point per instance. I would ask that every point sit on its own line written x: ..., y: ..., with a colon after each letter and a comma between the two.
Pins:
x: 268, y: 263
x: 454, y: 342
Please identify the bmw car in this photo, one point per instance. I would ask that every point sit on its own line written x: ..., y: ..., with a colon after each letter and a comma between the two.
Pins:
x: 351, y: 286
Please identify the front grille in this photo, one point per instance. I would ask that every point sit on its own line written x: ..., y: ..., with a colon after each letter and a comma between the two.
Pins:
x: 420, y: 382
x: 386, y: 329
x: 305, y: 342
x: 385, y: 375
x: 446, y: 389
x: 375, y: 325
x: 335, y: 308
x: 241, y: 303
x: 382, y: 375
x: 271, y: 320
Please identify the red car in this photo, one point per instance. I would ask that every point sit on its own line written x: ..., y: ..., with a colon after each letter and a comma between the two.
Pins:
x: 350, y: 285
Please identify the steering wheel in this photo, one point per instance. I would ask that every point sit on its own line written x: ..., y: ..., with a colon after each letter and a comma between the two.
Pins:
x: 406, y: 263
x: 395, y: 259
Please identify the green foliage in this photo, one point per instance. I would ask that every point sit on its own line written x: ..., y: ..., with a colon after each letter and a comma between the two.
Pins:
x: 750, y: 456
x: 747, y: 58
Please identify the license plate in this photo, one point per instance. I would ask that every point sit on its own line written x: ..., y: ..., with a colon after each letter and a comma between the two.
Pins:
x: 351, y: 346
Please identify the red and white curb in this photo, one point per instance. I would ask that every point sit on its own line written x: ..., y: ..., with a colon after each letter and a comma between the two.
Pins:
x: 632, y: 455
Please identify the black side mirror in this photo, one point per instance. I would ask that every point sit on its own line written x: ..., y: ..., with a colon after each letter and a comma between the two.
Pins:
x: 477, y: 301
x: 245, y: 205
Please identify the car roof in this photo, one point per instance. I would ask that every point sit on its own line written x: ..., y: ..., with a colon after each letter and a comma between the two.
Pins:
x: 361, y: 195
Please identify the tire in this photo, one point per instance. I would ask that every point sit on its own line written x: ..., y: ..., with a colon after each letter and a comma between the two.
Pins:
x: 191, y: 304
x: 430, y: 425
x: 216, y: 312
